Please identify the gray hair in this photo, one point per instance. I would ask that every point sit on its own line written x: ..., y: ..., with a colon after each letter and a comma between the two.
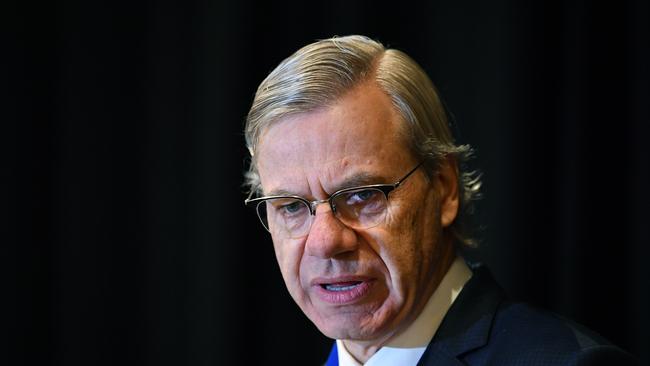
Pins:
x: 317, y: 75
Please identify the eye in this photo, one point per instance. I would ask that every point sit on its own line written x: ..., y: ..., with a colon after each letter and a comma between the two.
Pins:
x: 362, y: 207
x: 292, y: 208
x: 361, y: 196
x: 288, y: 207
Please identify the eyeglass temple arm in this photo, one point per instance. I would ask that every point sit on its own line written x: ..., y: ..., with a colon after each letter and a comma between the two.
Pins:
x: 397, y: 184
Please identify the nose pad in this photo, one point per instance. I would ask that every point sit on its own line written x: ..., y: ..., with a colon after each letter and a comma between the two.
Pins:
x: 315, y: 204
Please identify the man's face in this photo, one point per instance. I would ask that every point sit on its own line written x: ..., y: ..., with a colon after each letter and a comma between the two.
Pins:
x: 358, y: 284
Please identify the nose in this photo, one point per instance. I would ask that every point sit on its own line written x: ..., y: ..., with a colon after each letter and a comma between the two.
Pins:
x: 328, y: 236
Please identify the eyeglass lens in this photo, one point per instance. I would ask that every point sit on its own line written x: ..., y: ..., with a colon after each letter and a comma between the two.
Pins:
x: 360, y: 209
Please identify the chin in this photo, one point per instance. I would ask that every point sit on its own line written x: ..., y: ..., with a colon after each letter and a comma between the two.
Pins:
x: 352, y: 328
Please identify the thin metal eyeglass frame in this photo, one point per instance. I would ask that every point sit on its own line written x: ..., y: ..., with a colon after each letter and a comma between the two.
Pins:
x: 385, y: 188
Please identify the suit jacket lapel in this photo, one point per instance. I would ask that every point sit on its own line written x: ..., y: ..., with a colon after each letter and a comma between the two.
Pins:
x: 468, y: 322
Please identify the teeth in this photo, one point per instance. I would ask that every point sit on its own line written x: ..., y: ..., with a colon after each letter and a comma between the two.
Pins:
x: 330, y: 287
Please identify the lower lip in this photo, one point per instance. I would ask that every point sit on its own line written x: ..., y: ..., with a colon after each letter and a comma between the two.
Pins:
x: 346, y: 296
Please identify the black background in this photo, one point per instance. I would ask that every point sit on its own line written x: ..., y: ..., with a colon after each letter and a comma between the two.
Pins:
x: 126, y: 238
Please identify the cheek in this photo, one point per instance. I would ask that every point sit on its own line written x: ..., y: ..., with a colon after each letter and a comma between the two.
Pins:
x: 396, y: 245
x: 409, y: 241
x: 288, y: 254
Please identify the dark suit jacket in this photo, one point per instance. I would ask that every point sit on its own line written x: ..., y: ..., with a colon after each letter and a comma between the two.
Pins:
x: 483, y: 328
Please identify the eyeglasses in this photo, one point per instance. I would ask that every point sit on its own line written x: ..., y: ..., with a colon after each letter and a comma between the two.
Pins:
x: 360, y: 207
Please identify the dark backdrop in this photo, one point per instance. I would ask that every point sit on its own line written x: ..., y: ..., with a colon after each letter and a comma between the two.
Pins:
x: 127, y: 241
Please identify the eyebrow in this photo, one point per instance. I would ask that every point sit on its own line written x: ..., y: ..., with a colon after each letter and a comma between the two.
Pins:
x: 359, y: 179
x: 280, y: 192
x: 355, y: 180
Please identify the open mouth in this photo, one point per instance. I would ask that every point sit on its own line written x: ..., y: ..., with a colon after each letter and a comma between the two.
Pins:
x: 344, y: 291
x: 340, y: 286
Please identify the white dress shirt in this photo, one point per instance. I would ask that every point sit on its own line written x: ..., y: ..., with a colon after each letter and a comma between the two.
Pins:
x: 406, y: 348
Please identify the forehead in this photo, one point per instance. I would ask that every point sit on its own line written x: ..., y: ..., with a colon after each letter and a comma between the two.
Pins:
x: 359, y: 135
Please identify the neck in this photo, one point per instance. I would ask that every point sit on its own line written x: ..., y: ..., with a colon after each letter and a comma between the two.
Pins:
x: 361, y: 352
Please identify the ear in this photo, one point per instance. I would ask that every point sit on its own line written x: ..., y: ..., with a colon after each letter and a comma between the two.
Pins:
x: 447, y: 183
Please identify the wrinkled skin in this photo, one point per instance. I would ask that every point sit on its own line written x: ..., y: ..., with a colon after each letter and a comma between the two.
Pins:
x: 402, y: 260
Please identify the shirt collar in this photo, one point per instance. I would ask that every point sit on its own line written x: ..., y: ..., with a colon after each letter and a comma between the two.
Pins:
x: 407, y: 347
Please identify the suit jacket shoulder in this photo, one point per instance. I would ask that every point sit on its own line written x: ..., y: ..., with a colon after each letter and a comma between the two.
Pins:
x: 483, y: 328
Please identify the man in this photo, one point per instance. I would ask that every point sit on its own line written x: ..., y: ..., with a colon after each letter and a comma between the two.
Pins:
x: 358, y: 182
